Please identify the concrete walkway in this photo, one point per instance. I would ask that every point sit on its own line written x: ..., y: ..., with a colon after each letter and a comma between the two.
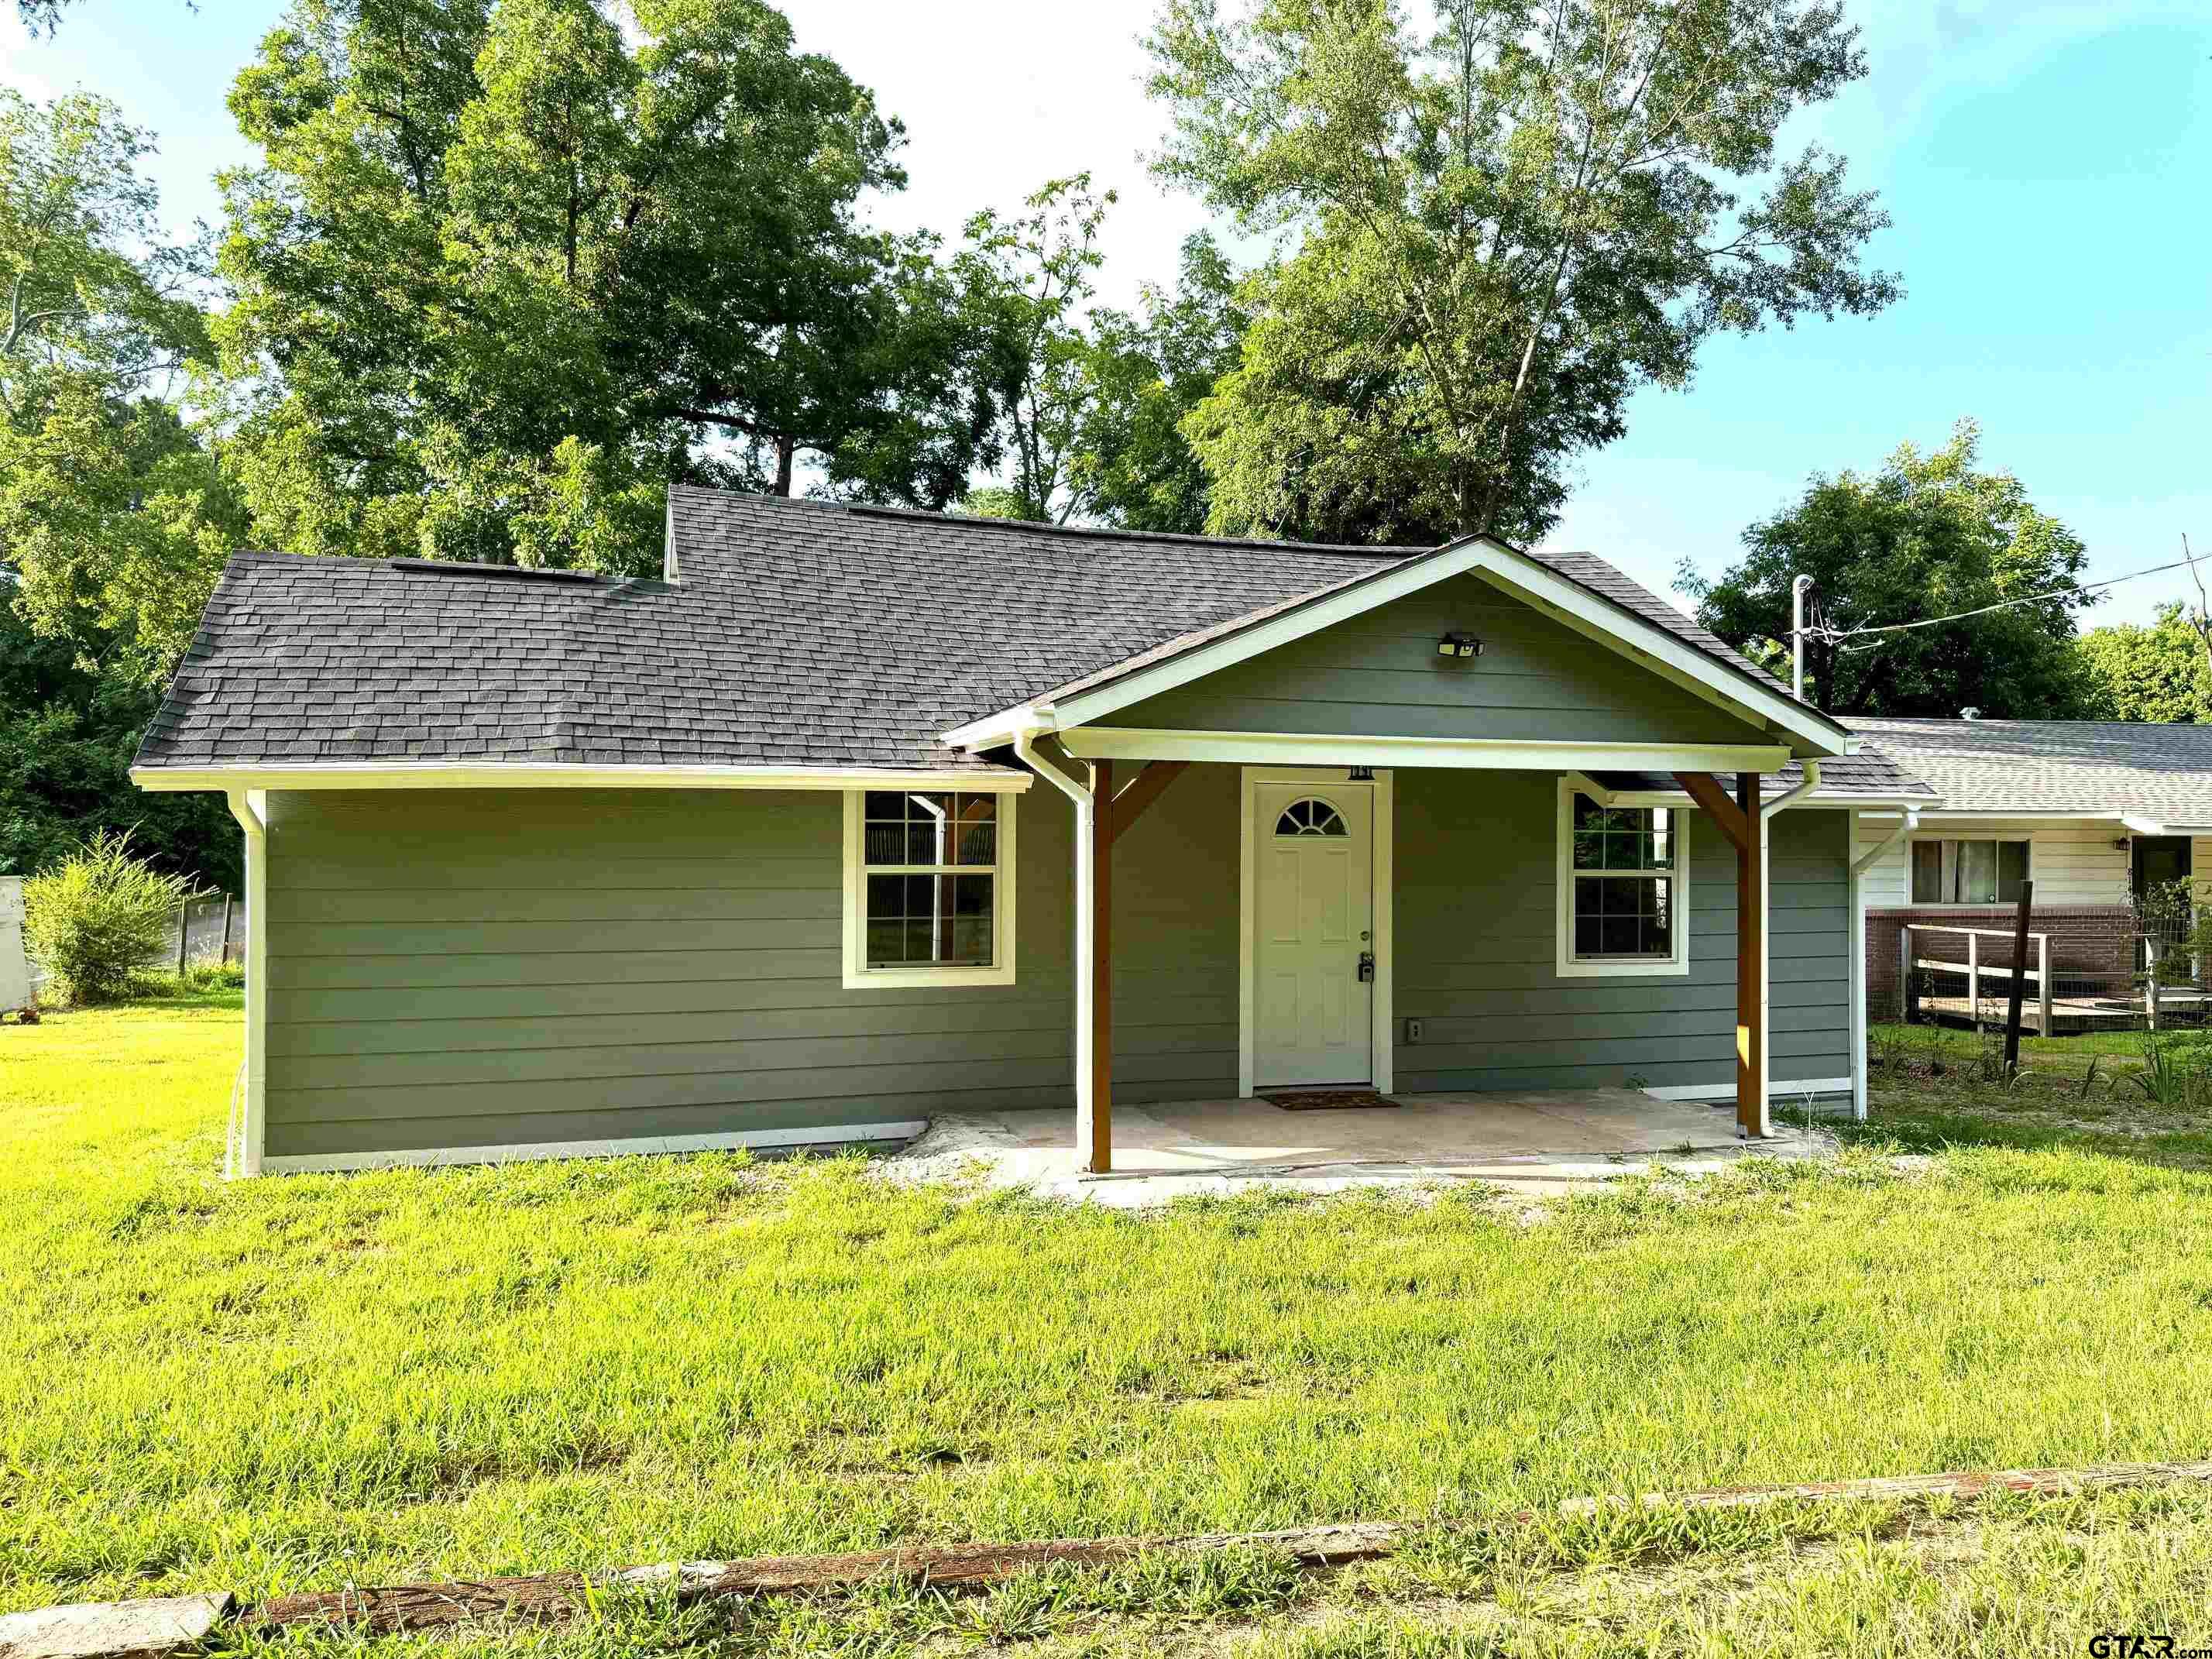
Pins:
x: 1549, y: 1140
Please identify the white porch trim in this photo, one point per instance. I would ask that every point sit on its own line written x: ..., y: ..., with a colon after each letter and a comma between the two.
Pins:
x: 538, y: 1152
x: 250, y: 808
x: 1496, y: 754
x: 1382, y: 1023
x: 533, y: 775
x: 1781, y: 1088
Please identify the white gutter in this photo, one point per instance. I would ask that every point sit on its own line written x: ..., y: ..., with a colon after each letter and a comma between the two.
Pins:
x: 1907, y: 823
x: 1087, y: 831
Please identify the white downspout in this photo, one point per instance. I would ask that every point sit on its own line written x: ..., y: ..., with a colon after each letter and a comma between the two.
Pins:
x: 1907, y: 824
x: 1788, y: 798
x: 1087, y: 832
x: 250, y: 808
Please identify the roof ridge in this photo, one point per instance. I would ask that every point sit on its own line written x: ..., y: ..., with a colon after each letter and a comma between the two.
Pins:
x: 1032, y: 526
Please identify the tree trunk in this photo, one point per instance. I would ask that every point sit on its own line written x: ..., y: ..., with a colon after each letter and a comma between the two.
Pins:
x: 784, y: 449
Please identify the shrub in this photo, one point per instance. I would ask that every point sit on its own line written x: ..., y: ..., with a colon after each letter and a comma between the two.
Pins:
x: 99, y: 917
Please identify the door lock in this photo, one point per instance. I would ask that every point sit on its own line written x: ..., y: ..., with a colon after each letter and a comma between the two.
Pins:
x: 1367, y: 966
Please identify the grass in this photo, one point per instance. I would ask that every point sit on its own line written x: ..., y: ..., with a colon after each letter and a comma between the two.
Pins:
x: 299, y: 1383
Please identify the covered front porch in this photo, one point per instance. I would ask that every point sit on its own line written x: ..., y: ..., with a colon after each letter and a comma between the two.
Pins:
x: 1533, y: 1141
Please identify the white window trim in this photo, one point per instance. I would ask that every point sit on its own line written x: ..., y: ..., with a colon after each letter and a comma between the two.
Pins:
x: 858, y: 976
x: 1566, y: 966
x: 1912, y: 903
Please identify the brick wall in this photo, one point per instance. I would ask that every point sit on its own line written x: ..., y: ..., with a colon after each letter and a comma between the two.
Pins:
x: 2095, y: 941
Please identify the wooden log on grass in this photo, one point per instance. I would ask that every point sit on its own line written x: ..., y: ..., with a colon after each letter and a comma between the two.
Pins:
x: 391, y: 1607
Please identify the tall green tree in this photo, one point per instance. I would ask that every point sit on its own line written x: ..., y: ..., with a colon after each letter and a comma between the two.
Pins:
x: 509, y: 268
x: 2153, y: 673
x: 1090, y: 401
x: 113, y: 512
x: 1929, y: 536
x: 1148, y: 369
x: 1499, y: 231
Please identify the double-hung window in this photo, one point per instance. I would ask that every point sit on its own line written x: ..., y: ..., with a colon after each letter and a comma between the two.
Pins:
x: 1623, y: 884
x: 929, y: 890
x: 1968, y: 871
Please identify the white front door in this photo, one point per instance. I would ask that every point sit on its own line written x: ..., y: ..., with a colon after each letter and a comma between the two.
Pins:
x: 1313, y: 921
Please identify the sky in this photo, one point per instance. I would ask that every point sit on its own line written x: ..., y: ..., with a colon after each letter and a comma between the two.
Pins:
x: 2045, y: 166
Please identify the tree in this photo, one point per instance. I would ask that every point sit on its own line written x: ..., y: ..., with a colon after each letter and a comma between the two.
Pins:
x: 113, y: 515
x: 1091, y: 402
x: 1500, y: 233
x: 44, y: 17
x: 1026, y: 280
x: 1929, y: 536
x: 2153, y: 673
x: 109, y: 508
x: 507, y: 269
x: 1134, y: 467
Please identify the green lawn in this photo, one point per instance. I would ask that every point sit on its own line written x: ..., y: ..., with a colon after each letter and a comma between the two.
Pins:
x: 302, y: 1381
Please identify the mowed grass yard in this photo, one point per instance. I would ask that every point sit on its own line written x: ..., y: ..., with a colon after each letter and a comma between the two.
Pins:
x: 300, y: 1382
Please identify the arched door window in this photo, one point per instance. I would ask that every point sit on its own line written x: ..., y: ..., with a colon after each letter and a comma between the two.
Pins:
x: 1311, y: 817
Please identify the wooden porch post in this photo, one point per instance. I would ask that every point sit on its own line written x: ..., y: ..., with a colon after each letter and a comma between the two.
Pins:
x: 1112, y: 814
x: 1740, y: 820
x: 1099, y: 1155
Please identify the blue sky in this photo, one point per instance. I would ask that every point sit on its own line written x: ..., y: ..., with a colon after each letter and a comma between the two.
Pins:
x: 2047, y: 166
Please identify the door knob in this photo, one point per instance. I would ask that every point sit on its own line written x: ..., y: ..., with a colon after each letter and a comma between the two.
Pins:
x: 1367, y: 966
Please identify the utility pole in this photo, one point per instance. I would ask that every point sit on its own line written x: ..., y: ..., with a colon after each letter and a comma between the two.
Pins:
x: 1798, y: 590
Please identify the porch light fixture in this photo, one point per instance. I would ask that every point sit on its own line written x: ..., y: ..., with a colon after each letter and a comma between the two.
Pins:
x: 1459, y: 645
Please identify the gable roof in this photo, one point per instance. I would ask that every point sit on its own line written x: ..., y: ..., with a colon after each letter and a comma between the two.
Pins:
x: 800, y: 634
x: 2158, y: 774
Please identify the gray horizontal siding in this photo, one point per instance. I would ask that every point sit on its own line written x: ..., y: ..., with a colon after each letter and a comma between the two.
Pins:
x: 483, y: 969
x: 1476, y: 951
x: 477, y: 969
x: 1379, y: 674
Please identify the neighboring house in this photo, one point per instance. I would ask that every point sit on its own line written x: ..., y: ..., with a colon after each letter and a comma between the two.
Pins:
x: 2091, y: 811
x: 860, y: 814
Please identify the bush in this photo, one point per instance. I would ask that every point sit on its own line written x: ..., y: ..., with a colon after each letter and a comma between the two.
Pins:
x: 99, y: 917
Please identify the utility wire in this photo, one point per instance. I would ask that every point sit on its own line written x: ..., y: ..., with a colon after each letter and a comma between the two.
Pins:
x: 1833, y: 634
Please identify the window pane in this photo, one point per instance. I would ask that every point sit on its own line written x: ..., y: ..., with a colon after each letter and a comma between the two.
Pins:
x: 1588, y: 834
x: 2012, y: 870
x: 921, y: 921
x: 1627, y: 916
x: 1978, y: 872
x: 1928, y: 872
x: 975, y: 836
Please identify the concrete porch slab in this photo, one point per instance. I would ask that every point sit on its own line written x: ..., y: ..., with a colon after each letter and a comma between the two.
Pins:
x: 1545, y: 1140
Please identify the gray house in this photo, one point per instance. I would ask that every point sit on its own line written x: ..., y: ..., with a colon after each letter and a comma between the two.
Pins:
x: 856, y: 816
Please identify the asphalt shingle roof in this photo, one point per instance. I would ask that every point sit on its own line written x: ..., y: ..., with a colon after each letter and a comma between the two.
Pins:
x: 2156, y: 771
x: 799, y: 634
x: 1870, y: 774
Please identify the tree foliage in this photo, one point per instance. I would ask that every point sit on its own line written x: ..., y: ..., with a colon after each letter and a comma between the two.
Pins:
x: 2153, y: 673
x: 1928, y: 535
x: 1500, y: 231
x: 113, y: 511
x: 507, y: 269
x: 1090, y: 401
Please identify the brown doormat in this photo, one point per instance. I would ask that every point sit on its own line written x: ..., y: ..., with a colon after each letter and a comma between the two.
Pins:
x: 1327, y: 1100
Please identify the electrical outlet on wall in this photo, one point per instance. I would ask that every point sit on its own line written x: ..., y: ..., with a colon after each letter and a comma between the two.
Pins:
x: 1412, y: 1030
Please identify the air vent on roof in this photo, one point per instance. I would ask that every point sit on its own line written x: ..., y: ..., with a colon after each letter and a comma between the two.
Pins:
x: 458, y: 567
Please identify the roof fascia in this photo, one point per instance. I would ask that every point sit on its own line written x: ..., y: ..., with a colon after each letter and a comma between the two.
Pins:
x: 534, y: 775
